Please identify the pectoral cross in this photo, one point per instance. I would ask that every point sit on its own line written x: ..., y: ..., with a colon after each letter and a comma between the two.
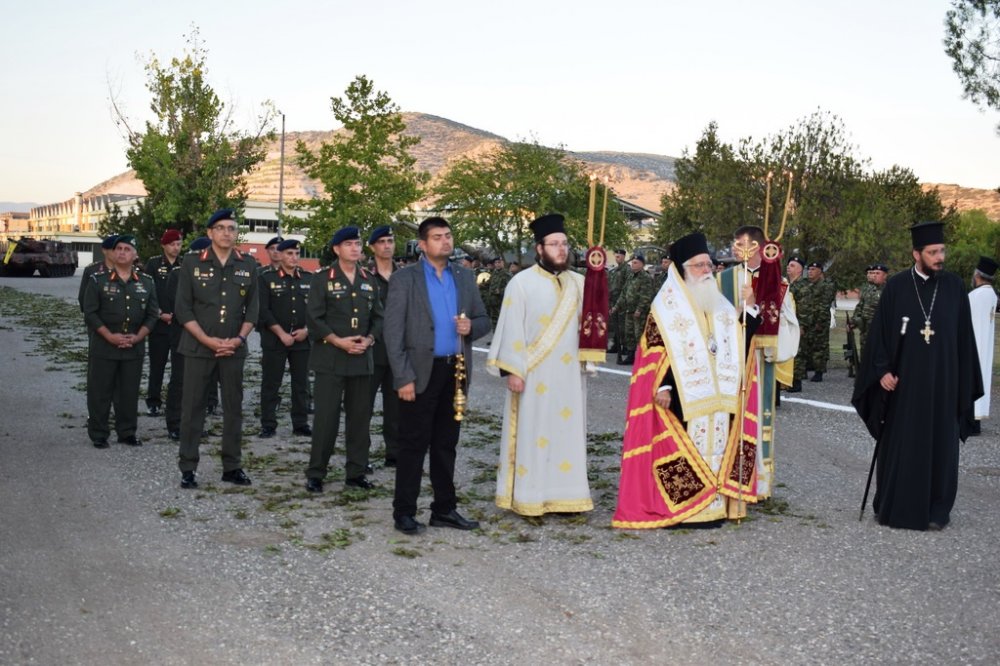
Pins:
x: 927, y: 331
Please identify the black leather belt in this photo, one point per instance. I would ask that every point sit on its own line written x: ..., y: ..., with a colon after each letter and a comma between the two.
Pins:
x: 447, y: 360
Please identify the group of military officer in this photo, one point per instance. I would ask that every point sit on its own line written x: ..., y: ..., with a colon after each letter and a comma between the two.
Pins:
x: 327, y: 322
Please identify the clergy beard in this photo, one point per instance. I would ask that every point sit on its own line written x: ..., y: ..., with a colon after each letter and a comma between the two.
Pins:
x: 704, y: 292
x: 552, y: 263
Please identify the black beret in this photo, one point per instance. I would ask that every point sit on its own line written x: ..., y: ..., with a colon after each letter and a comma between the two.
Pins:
x: 815, y: 264
x: 222, y: 214
x: 799, y: 260
x: 553, y: 223
x: 879, y: 267
x: 347, y: 233
x: 109, y: 242
x: 199, y: 243
x: 987, y: 266
x: 288, y: 244
x: 620, y: 251
x: 128, y: 239
x: 640, y: 257
x: 927, y: 233
x: 689, y: 246
x: 274, y: 241
x: 378, y: 233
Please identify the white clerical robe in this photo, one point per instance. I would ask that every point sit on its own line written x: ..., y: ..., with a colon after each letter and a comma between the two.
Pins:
x: 543, y: 447
x: 983, y: 303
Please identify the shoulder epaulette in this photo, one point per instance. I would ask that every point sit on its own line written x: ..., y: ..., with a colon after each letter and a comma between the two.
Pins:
x: 204, y: 255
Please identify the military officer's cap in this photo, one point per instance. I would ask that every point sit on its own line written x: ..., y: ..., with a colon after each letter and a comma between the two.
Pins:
x: 553, y: 223
x: 347, y: 233
x: 799, y: 260
x: 288, y: 244
x: 815, y: 264
x: 987, y: 266
x: 223, y: 214
x: 199, y: 244
x: 274, y: 241
x: 689, y: 246
x: 927, y: 233
x: 109, y: 242
x: 169, y: 236
x: 378, y: 233
x: 125, y: 238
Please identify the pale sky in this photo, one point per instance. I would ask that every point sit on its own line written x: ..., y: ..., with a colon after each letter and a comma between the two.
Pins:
x: 630, y: 75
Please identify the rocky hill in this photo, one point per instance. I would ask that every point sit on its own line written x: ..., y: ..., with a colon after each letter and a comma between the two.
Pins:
x: 639, y: 178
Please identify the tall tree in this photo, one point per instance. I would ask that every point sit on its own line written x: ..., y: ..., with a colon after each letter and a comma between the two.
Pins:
x: 492, y: 199
x: 190, y: 157
x: 369, y: 176
x: 972, y: 41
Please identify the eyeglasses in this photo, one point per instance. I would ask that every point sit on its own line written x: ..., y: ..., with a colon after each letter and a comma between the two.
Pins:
x: 224, y: 229
x: 562, y: 244
x: 703, y: 265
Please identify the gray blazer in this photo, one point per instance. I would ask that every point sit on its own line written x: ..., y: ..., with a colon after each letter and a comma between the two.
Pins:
x: 408, y: 327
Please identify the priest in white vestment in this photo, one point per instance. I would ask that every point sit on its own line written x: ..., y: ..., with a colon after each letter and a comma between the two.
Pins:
x: 535, y: 347
x: 983, y: 304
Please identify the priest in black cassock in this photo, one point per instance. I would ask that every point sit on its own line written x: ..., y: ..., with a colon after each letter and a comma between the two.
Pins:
x: 920, y: 408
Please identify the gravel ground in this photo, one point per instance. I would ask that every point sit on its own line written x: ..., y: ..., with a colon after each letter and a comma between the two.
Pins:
x: 104, y: 559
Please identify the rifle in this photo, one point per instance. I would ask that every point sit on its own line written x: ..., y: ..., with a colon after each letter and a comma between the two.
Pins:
x: 851, y: 349
x: 894, y: 369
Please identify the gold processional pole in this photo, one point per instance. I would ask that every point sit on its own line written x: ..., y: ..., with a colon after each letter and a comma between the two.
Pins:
x: 460, y: 399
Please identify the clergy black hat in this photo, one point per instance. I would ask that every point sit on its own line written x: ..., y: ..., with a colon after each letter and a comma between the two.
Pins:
x: 553, y: 223
x: 927, y: 233
x: 288, y: 244
x: 347, y: 233
x: 274, y: 241
x: 689, y: 246
x: 222, y: 214
x: 987, y: 266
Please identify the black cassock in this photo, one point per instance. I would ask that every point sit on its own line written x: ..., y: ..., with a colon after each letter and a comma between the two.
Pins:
x: 917, y: 470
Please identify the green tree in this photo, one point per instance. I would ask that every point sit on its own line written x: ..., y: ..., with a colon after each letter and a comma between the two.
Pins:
x: 972, y: 41
x: 190, y: 158
x: 368, y: 174
x: 491, y: 200
x: 971, y: 235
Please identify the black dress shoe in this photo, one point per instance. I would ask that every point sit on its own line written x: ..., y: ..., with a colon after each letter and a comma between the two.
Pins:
x: 174, y: 434
x: 100, y: 443
x: 359, y: 482
x: 453, y: 519
x: 131, y: 440
x: 817, y: 377
x: 188, y: 480
x: 153, y: 410
x: 796, y: 386
x: 934, y: 527
x: 628, y: 360
x: 236, y: 476
x: 314, y: 485
x: 409, y: 525
x: 267, y: 432
x: 305, y: 431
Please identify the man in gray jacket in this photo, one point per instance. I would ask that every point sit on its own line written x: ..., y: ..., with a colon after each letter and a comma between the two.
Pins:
x: 433, y: 313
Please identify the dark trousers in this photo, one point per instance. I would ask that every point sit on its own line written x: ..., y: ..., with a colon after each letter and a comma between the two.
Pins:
x: 113, y: 381
x: 197, y: 374
x: 382, y: 379
x: 175, y: 388
x: 273, y: 362
x: 430, y: 426
x: 159, y: 352
x: 328, y: 392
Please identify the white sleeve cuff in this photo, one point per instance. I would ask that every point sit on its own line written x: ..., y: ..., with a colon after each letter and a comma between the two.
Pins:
x: 665, y: 387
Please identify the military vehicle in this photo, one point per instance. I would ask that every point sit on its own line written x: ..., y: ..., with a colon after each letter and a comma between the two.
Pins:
x: 50, y: 258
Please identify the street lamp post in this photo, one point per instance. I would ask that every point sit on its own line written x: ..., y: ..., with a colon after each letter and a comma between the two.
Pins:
x: 281, y: 176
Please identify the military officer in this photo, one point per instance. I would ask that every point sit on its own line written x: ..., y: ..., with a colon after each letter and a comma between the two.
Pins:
x: 159, y: 268
x: 120, y: 309
x: 284, y: 339
x: 382, y: 245
x: 345, y: 318
x: 217, y: 303
x: 105, y: 264
x: 273, y: 255
x: 819, y: 297
x: 868, y: 300
x: 633, y: 304
x: 798, y: 286
x: 616, y: 282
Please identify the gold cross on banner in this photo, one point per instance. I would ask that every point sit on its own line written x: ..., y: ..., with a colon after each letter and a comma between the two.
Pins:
x: 927, y: 331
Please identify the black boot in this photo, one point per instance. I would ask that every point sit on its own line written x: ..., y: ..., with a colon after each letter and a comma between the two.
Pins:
x: 796, y: 386
x: 817, y: 376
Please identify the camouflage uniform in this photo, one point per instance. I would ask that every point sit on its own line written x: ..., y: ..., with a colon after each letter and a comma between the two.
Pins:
x: 636, y: 297
x: 813, y: 310
x: 865, y: 312
x: 617, y: 277
x: 494, y: 292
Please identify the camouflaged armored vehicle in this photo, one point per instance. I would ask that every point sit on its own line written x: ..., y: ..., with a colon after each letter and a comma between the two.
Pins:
x: 49, y: 257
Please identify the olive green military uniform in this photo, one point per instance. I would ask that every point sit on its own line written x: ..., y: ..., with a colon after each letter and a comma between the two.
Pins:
x: 113, y: 374
x: 814, y: 320
x: 88, y: 272
x: 636, y: 297
x: 616, y: 283
x: 283, y: 298
x: 382, y: 379
x: 221, y: 298
x: 865, y: 312
x: 345, y: 309
x: 159, y: 268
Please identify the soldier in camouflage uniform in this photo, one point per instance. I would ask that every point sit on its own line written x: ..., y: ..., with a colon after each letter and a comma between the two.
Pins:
x: 616, y: 282
x: 661, y: 276
x: 868, y: 302
x: 818, y: 297
x: 495, y: 289
x: 633, y: 304
x: 798, y: 286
